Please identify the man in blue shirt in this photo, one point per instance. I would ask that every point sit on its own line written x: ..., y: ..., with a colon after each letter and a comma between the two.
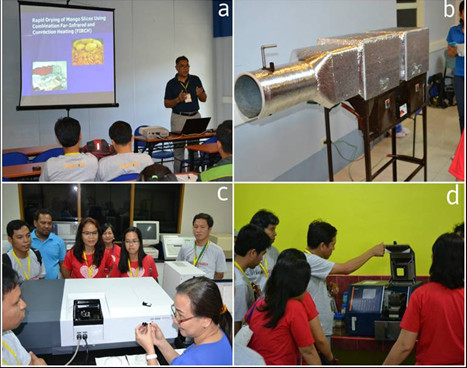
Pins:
x: 181, y: 95
x: 51, y: 247
x: 456, y: 48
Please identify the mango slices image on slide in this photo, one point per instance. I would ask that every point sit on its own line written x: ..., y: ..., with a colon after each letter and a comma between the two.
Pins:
x: 88, y: 51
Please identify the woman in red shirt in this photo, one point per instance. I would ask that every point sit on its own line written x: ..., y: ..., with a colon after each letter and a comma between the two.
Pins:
x: 435, y: 314
x: 281, y: 334
x: 134, y: 262
x: 108, y: 237
x: 87, y: 258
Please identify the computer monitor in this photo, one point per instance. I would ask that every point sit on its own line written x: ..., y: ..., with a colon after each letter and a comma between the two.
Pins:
x: 66, y: 230
x: 149, y: 231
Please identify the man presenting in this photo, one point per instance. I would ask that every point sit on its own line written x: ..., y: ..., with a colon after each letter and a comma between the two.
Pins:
x: 204, y: 254
x: 181, y: 95
x: 51, y: 247
x: 13, y: 312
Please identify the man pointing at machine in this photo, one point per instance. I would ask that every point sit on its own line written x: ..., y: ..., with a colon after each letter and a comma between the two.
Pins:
x: 181, y: 95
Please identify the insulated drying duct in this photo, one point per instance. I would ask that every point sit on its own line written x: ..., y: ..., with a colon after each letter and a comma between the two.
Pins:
x: 318, y: 73
x: 365, y: 64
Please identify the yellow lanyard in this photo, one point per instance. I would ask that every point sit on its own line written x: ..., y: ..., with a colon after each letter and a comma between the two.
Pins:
x: 12, y: 353
x: 26, y: 275
x: 131, y: 272
x: 237, y: 266
x: 265, y: 267
x: 89, y: 268
x: 71, y: 153
x: 185, y: 86
x: 307, y: 251
x: 196, y: 259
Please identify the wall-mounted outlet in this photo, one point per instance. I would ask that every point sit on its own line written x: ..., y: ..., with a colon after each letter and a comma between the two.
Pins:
x: 322, y: 142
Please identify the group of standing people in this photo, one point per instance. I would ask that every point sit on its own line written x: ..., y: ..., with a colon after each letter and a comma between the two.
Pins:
x: 290, y: 317
x: 198, y: 309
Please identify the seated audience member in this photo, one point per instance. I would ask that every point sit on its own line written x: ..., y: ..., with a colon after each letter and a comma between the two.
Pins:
x: 250, y: 247
x: 72, y: 166
x: 51, y: 246
x: 199, y: 313
x: 134, y: 262
x: 435, y: 315
x: 246, y: 356
x: 156, y: 172
x: 281, y: 333
x: 88, y: 257
x: 267, y: 221
x: 221, y: 171
x: 125, y: 161
x: 113, y: 249
x: 21, y: 257
x: 204, y: 254
x: 13, y: 312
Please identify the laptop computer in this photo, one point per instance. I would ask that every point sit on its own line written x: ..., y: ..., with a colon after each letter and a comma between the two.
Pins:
x: 194, y: 126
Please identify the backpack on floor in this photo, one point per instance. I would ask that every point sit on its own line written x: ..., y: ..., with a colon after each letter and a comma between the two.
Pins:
x: 436, y: 97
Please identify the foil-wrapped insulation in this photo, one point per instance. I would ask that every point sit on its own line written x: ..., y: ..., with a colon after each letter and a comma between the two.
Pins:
x: 378, y: 60
x: 324, y: 74
x: 414, y: 54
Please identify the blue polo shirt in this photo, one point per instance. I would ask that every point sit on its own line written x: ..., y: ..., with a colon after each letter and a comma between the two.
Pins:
x: 53, y: 250
x: 456, y: 35
x: 174, y: 87
x: 215, y: 353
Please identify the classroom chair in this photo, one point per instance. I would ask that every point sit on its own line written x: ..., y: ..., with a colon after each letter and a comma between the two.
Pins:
x: 14, y: 158
x: 44, y: 156
x: 126, y: 177
x: 159, y: 153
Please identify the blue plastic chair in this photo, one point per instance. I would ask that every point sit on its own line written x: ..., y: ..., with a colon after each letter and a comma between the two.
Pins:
x: 126, y: 177
x: 14, y: 158
x: 158, y: 153
x: 44, y: 156
x: 204, y: 159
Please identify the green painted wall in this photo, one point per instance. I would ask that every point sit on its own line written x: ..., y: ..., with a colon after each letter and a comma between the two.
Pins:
x: 364, y: 214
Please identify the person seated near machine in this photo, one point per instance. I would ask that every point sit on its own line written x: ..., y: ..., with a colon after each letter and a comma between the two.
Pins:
x: 222, y: 170
x: 73, y: 166
x: 204, y: 254
x: 21, y: 257
x: 267, y: 221
x: 134, y: 262
x: 13, y: 312
x: 250, y: 247
x: 199, y: 313
x: 88, y: 258
x: 156, y: 172
x: 321, y: 241
x: 435, y: 315
x: 125, y: 161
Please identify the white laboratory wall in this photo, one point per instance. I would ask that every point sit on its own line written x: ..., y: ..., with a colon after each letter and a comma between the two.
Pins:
x: 205, y: 198
x: 10, y: 208
x: 149, y: 37
x: 279, y: 146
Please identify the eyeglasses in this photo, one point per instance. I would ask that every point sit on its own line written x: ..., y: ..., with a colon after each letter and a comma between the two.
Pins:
x: 177, y: 317
x: 129, y: 242
x: 89, y: 233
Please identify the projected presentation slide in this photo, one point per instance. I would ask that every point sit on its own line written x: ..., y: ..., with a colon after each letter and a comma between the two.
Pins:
x: 67, y: 56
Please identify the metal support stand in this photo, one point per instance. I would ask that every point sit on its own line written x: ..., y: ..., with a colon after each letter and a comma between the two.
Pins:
x: 366, y: 123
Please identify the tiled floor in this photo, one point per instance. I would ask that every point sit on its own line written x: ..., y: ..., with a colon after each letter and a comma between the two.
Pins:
x: 443, y: 138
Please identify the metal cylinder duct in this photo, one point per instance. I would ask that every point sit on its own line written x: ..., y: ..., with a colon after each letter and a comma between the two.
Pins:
x: 325, y: 74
